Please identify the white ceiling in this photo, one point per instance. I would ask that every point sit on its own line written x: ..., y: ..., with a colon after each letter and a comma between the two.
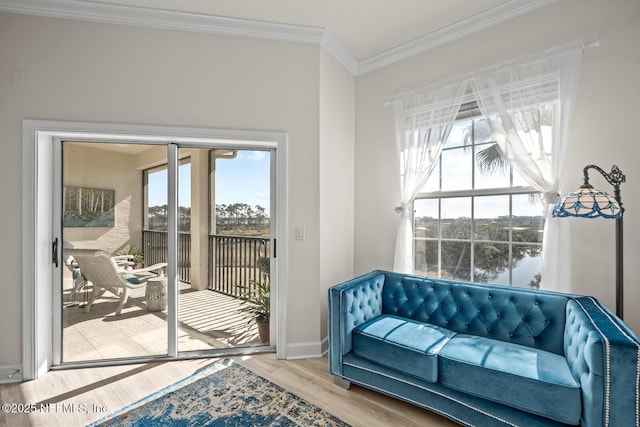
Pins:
x: 364, y: 27
x: 362, y: 34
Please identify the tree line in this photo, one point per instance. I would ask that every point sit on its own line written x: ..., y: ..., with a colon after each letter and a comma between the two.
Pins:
x: 241, y: 215
x: 491, y: 250
x: 234, y: 216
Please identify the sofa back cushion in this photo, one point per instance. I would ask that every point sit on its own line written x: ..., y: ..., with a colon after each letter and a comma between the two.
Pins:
x: 520, y: 316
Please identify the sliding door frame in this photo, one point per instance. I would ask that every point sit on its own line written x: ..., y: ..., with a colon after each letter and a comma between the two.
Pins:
x: 39, y: 231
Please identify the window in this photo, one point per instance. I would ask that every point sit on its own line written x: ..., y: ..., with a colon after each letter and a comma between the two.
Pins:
x: 476, y: 218
x: 156, y: 205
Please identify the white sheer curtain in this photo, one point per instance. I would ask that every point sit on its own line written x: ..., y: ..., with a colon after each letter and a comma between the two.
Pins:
x: 529, y: 103
x: 423, y: 121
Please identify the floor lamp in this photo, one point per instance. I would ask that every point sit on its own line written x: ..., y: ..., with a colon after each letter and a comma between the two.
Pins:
x: 588, y: 202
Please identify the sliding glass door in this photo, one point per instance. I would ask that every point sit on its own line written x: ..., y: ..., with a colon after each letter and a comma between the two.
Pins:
x: 106, y: 277
x: 167, y: 249
x: 224, y: 236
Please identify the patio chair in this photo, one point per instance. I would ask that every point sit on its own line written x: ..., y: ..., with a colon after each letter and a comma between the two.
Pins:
x: 78, y: 279
x: 101, y: 269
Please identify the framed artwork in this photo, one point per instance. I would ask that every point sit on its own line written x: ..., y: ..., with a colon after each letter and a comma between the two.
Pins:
x: 88, y: 207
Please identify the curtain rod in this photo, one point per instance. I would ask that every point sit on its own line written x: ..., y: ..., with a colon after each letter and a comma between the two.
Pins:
x: 574, y: 45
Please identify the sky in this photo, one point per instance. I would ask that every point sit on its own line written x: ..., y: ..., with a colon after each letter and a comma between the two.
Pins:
x: 456, y: 175
x: 244, y: 179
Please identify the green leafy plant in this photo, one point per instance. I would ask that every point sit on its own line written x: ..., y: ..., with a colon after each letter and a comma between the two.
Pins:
x: 137, y: 257
x: 257, y: 301
x: 535, y: 282
x: 264, y: 265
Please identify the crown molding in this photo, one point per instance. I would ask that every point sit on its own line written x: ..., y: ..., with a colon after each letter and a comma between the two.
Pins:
x: 173, y: 20
x: 339, y: 52
x: 183, y: 21
x: 164, y: 19
x: 460, y: 29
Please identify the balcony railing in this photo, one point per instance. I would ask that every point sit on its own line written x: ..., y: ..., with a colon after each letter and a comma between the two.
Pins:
x: 233, y: 260
x: 155, y: 244
x: 234, y: 263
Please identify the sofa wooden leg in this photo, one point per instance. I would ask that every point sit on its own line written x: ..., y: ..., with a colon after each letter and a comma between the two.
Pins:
x: 342, y: 383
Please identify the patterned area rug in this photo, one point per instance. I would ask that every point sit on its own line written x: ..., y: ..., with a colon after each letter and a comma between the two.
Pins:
x: 222, y: 394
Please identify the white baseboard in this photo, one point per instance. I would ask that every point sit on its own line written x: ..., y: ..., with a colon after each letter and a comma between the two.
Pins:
x: 10, y: 374
x: 324, y: 346
x: 307, y: 350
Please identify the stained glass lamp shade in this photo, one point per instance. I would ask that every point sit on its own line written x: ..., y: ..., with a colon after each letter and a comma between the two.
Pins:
x: 588, y: 202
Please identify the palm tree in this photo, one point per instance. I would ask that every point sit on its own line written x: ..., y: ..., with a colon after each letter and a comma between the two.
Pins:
x: 492, y: 160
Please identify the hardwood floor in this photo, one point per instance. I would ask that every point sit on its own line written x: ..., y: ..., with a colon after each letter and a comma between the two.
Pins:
x: 79, y: 396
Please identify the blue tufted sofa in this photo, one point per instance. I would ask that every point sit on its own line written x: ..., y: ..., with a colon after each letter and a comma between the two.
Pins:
x: 485, y: 355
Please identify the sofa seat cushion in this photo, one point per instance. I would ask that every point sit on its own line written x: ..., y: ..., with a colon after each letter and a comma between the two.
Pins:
x: 522, y: 377
x: 402, y: 344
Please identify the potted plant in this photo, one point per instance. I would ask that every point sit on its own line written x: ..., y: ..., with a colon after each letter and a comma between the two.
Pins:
x: 257, y: 304
x: 134, y: 255
x: 264, y: 265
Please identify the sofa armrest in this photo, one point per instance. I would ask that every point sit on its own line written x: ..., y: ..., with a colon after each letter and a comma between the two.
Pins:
x: 351, y: 304
x: 603, y: 355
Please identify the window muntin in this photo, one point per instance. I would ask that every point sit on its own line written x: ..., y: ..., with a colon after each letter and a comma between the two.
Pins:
x: 479, y: 223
